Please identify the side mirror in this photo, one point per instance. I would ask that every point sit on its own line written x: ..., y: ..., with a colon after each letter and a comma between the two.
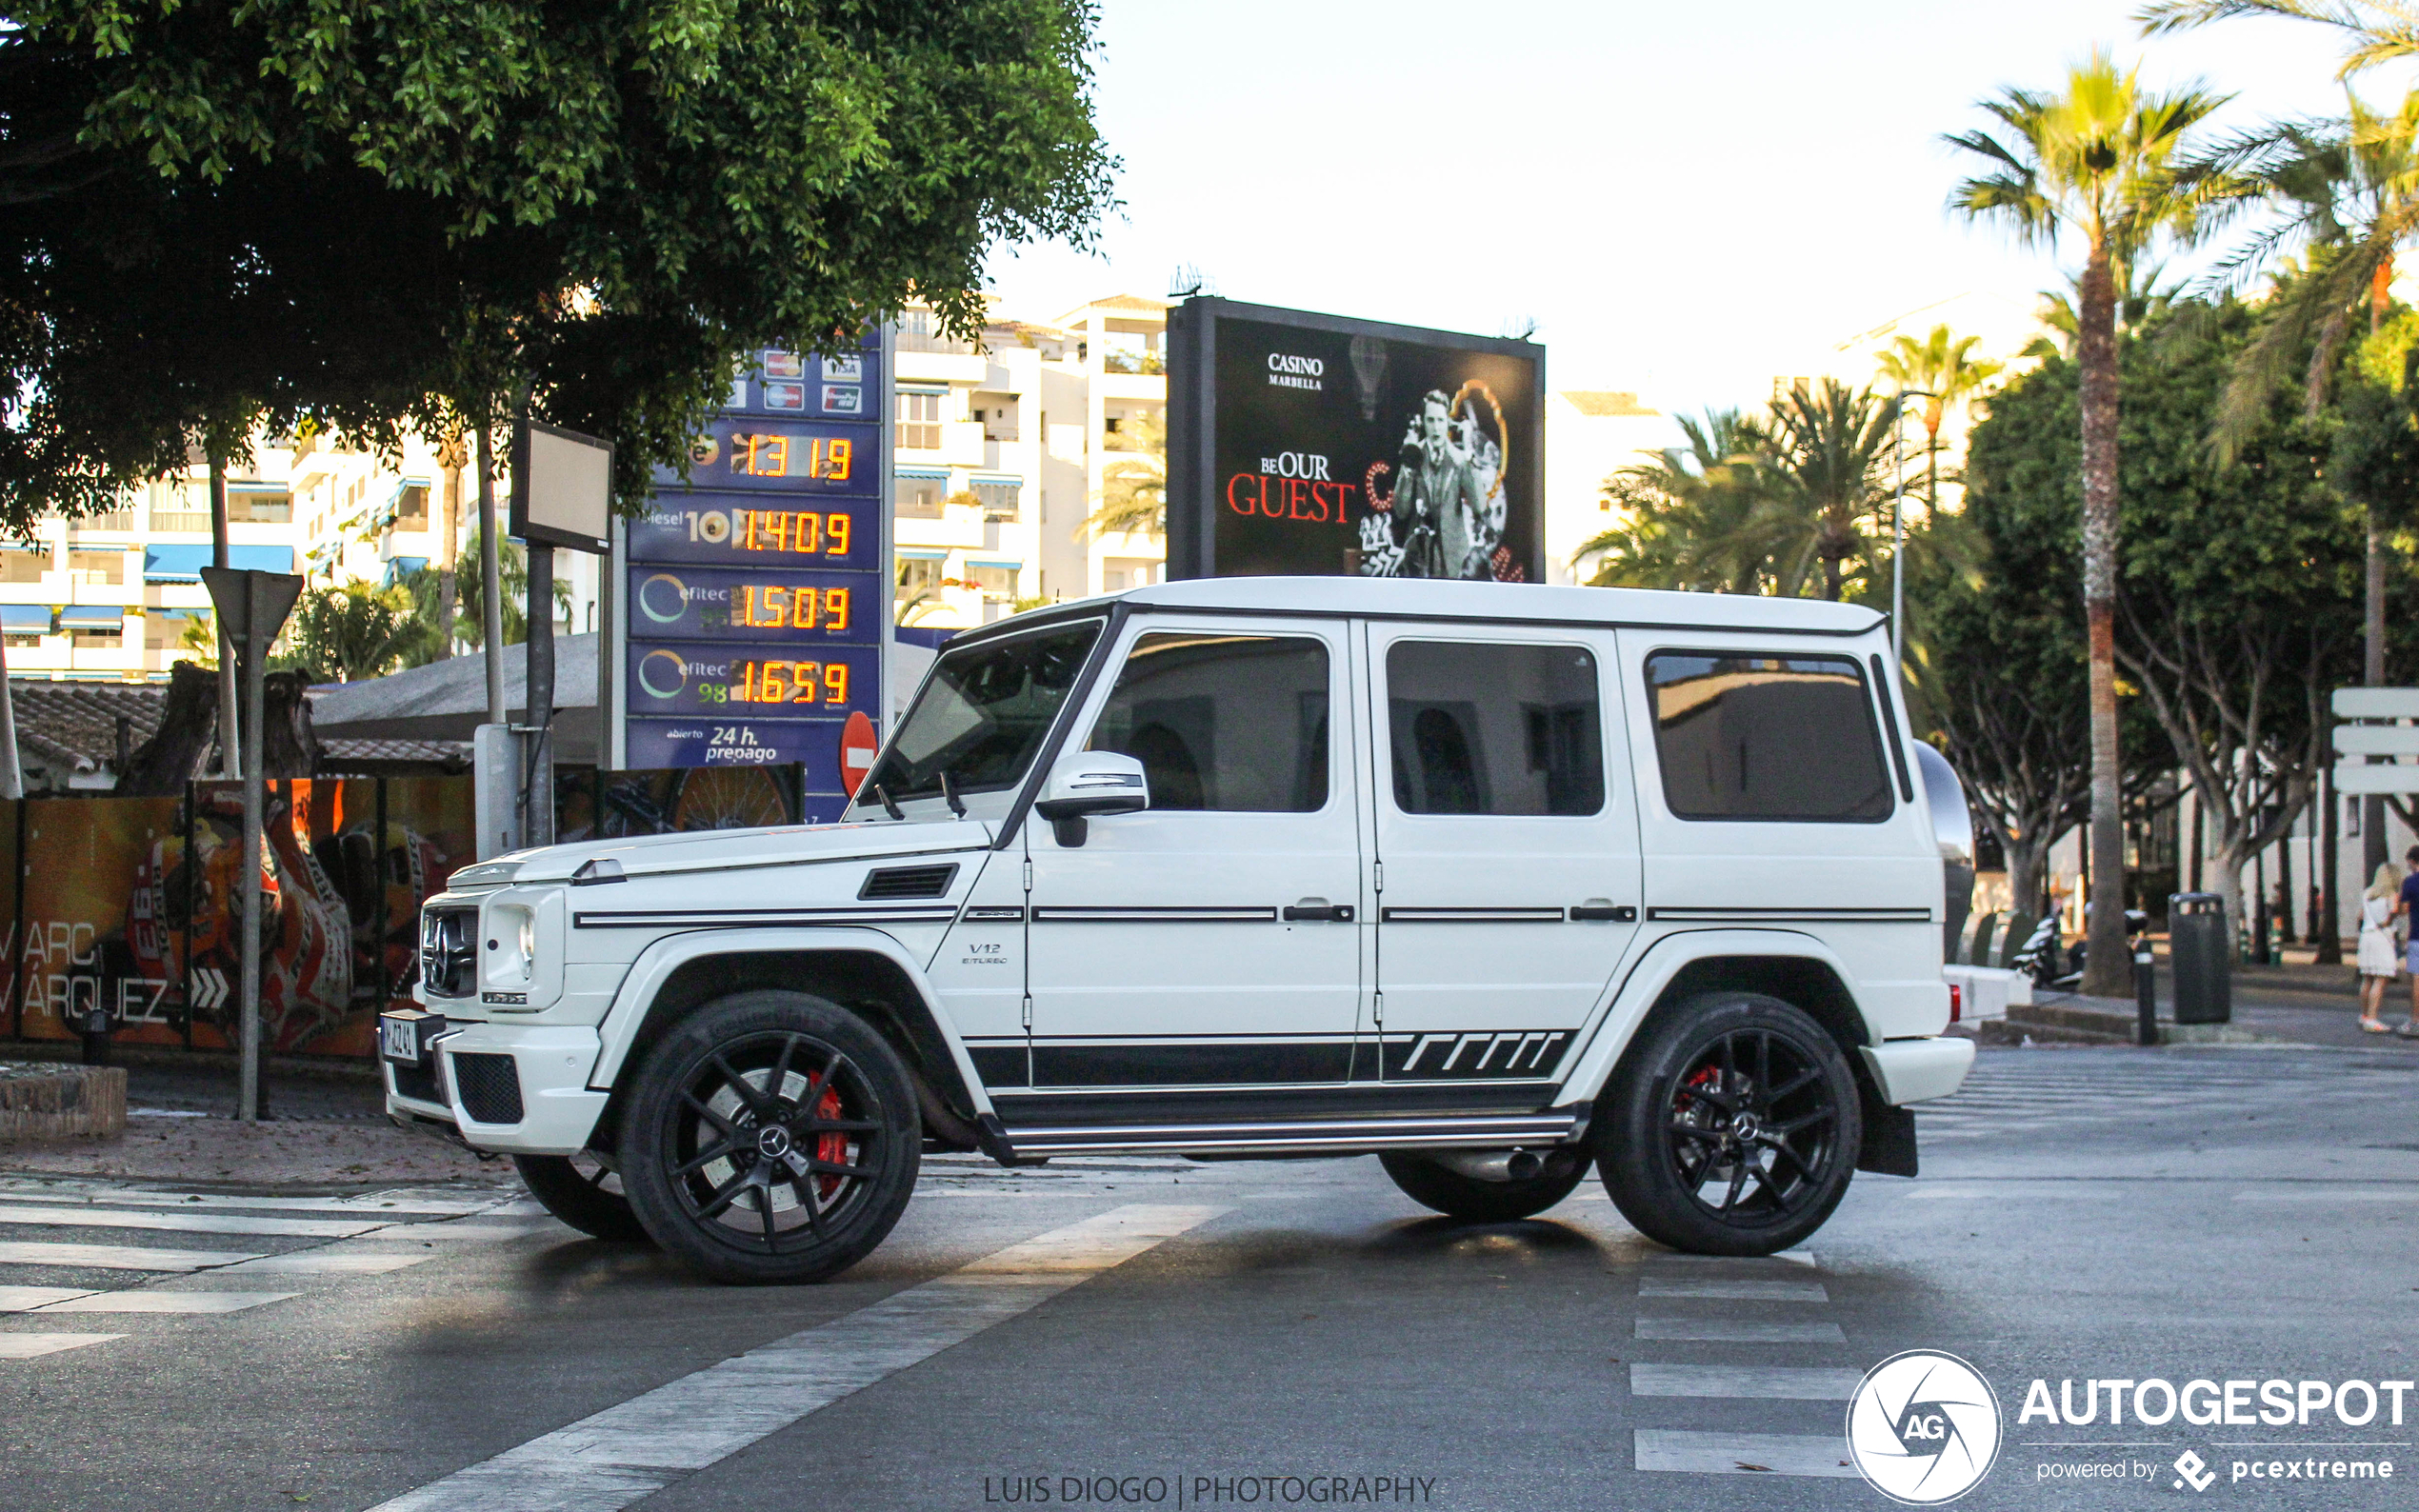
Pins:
x: 1086, y: 783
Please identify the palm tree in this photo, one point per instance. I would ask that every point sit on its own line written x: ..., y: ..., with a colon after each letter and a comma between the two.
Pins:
x: 2141, y: 293
x: 1711, y: 516
x: 1133, y: 492
x: 2098, y: 163
x: 1943, y: 366
x: 1833, y: 445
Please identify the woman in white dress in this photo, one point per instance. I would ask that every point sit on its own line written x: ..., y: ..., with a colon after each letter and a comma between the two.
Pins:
x: 2379, y: 960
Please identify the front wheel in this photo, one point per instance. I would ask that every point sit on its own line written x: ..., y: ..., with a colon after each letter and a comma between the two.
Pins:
x: 1478, y: 1200
x: 772, y: 1137
x: 1734, y: 1129
x: 580, y: 1192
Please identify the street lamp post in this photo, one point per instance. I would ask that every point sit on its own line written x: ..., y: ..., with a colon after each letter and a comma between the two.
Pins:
x: 1898, y: 530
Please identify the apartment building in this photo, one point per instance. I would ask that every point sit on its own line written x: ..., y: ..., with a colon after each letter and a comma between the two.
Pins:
x: 1001, y: 451
x: 108, y: 597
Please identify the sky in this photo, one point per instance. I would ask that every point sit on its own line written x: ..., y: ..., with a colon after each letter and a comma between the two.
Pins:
x: 1686, y: 199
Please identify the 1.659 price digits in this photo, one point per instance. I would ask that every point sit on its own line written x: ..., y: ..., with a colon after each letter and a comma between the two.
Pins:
x: 792, y: 683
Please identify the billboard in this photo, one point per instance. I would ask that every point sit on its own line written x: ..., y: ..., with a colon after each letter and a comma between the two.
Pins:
x: 1314, y: 445
x: 757, y: 599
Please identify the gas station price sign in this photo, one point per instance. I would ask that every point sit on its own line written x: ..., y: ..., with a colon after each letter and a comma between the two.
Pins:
x: 758, y: 592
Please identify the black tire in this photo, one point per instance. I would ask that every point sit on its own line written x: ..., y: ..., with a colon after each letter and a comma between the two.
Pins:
x: 772, y: 1137
x: 1483, y: 1202
x: 582, y: 1193
x: 1667, y: 1134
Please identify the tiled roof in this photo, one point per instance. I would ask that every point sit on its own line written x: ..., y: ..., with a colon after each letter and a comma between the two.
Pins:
x: 74, y: 724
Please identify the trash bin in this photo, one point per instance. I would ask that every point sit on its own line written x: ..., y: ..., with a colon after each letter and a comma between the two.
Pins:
x: 2201, y: 958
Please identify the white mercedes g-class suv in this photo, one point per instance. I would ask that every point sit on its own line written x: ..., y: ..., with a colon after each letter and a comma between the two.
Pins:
x: 1494, y: 881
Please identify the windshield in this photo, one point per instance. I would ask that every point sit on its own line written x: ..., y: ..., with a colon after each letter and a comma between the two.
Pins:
x: 983, y: 714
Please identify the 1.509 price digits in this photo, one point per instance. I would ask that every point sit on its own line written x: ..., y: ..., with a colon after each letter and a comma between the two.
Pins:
x: 768, y: 606
x: 792, y: 683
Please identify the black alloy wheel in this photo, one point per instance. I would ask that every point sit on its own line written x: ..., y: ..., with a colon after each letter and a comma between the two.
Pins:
x: 773, y: 1137
x: 1735, y: 1128
x: 1479, y: 1201
x: 582, y: 1191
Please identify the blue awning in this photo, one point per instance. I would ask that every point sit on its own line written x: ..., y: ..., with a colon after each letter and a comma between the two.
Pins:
x: 25, y: 616
x: 997, y: 480
x: 184, y: 562
x: 918, y: 554
x: 987, y: 561
x: 941, y: 474
x: 93, y: 617
x: 402, y: 567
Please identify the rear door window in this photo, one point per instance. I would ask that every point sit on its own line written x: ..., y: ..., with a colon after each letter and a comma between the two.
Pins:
x: 1485, y: 728
x: 1744, y: 736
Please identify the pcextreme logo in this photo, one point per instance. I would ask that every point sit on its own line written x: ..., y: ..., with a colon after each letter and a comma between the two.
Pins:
x: 1923, y: 1427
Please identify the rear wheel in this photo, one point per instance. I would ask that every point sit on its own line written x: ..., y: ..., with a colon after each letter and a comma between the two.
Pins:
x: 581, y: 1191
x: 772, y: 1137
x: 1481, y: 1201
x: 1735, y: 1128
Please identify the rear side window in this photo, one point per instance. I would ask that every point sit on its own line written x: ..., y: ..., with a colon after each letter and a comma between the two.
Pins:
x: 1489, y: 728
x: 1742, y: 736
x: 1235, y: 723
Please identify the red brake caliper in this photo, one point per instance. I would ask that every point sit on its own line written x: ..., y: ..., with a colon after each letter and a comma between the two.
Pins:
x: 832, y: 1146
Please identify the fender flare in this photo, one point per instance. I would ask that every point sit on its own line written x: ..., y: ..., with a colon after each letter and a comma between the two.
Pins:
x: 655, y: 966
x: 1653, y: 972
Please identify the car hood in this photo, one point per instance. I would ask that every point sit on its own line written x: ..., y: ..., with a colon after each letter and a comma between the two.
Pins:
x: 734, y: 849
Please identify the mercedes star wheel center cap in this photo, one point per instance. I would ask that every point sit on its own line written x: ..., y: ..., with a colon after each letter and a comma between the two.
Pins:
x: 774, y: 1142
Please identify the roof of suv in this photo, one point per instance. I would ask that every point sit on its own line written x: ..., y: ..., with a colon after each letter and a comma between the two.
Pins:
x: 1425, y: 598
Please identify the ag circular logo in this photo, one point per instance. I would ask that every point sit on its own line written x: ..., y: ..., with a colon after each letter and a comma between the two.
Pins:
x: 1923, y: 1427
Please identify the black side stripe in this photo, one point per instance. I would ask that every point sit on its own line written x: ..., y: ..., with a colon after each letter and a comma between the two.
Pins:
x: 1681, y: 914
x: 1212, y: 913
x: 695, y: 918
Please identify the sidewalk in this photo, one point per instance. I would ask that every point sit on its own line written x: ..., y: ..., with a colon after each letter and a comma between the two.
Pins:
x: 327, y: 1127
x: 2290, y: 1004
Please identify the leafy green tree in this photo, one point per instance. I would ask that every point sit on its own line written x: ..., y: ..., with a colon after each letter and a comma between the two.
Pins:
x: 2095, y: 163
x: 425, y: 589
x: 2239, y: 584
x: 1943, y: 365
x: 599, y: 207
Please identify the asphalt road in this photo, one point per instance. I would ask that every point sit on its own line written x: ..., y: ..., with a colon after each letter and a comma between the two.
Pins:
x: 1253, y: 1333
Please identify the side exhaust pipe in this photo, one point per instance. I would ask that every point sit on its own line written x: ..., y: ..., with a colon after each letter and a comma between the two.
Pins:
x: 1493, y: 1165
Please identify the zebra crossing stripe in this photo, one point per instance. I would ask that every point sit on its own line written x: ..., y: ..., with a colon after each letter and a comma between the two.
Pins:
x: 119, y: 1257
x: 26, y: 1299
x: 1734, y: 1290
x: 168, y: 1302
x: 611, y: 1459
x: 1743, y: 1453
x: 185, y: 1222
x: 372, y: 1206
x: 1739, y: 1331
x: 33, y: 1347
x: 321, y: 1263
x: 1783, y: 1383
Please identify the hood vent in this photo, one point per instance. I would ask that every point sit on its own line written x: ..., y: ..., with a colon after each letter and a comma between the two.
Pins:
x: 908, y: 881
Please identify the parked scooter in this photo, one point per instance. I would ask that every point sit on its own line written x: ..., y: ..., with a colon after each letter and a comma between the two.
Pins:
x: 2049, y: 967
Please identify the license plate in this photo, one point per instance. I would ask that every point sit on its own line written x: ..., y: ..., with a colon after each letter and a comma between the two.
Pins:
x: 403, y: 1038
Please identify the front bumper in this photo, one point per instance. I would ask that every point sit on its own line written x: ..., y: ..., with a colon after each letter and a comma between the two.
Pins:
x: 1918, y: 1071
x: 527, y: 1087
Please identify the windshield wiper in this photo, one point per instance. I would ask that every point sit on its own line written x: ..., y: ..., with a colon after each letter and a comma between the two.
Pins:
x: 889, y: 805
x: 949, y: 795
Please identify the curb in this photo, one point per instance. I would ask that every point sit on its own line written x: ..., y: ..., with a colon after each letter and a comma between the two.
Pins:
x: 40, y: 1102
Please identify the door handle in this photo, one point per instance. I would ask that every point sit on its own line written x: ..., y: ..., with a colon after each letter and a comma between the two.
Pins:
x: 1616, y: 913
x: 1318, y: 913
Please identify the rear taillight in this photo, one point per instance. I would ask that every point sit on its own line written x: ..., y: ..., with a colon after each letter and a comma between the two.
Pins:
x: 1956, y: 1002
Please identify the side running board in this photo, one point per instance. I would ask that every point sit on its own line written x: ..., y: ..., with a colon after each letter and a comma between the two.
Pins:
x: 1342, y: 1137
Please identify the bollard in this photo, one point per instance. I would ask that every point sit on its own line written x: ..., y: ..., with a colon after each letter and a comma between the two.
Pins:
x: 2146, y: 999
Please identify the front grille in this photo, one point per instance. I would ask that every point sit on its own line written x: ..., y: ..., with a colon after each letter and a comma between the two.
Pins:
x: 422, y: 1084
x: 908, y: 881
x: 450, y: 952
x: 491, y: 1087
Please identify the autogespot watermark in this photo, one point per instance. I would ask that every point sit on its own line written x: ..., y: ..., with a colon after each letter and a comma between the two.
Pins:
x: 1188, y: 1490
x: 2270, y: 1404
x: 1923, y: 1427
